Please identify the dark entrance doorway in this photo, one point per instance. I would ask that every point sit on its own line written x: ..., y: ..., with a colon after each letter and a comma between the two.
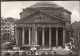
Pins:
x: 53, y: 36
x: 20, y: 36
x: 26, y: 38
x: 46, y: 31
x: 60, y: 36
x: 39, y: 36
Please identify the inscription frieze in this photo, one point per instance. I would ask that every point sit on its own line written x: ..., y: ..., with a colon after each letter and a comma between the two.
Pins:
x: 40, y: 25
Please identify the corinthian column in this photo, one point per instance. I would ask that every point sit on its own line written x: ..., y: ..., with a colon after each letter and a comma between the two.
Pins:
x: 43, y: 41
x: 29, y: 35
x: 64, y: 37
x: 17, y: 35
x: 49, y: 36
x: 56, y: 37
x: 36, y: 35
x: 23, y: 36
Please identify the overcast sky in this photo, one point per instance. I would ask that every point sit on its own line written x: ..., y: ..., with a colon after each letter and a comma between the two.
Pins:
x: 12, y: 9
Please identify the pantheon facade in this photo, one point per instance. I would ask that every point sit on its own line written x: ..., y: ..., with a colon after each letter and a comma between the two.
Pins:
x: 44, y: 24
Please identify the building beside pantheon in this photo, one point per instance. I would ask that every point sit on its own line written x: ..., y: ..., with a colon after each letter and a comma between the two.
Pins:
x: 44, y: 24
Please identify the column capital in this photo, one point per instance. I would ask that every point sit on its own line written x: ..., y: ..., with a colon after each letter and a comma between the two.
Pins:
x: 64, y: 27
x: 56, y: 27
x: 35, y: 28
x: 49, y: 28
x: 16, y: 28
x: 29, y: 27
x: 22, y: 28
x: 43, y: 28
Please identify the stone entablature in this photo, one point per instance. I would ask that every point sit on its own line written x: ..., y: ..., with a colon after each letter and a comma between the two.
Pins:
x: 40, y: 25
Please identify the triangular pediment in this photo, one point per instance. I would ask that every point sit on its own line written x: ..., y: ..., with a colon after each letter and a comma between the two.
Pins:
x: 40, y: 17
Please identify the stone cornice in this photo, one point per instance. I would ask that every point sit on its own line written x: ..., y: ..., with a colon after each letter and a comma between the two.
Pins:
x: 67, y: 11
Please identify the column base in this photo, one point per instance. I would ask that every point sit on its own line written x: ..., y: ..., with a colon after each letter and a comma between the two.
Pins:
x: 63, y: 46
x: 56, y: 46
x: 16, y: 47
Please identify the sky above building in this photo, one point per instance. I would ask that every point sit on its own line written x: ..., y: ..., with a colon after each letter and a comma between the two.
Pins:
x: 12, y: 9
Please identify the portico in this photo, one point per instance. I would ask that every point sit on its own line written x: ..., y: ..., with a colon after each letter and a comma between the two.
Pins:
x: 45, y: 25
x: 44, y: 36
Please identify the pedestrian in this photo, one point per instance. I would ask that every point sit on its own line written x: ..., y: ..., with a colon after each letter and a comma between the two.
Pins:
x: 16, y: 54
x: 49, y: 53
x: 23, y: 53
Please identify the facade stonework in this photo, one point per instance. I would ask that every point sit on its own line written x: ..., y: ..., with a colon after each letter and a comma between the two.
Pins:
x: 43, y: 24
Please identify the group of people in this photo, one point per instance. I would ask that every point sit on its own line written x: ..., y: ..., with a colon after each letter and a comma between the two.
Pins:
x: 29, y: 53
x: 71, y: 44
x: 43, y: 53
x: 34, y: 52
